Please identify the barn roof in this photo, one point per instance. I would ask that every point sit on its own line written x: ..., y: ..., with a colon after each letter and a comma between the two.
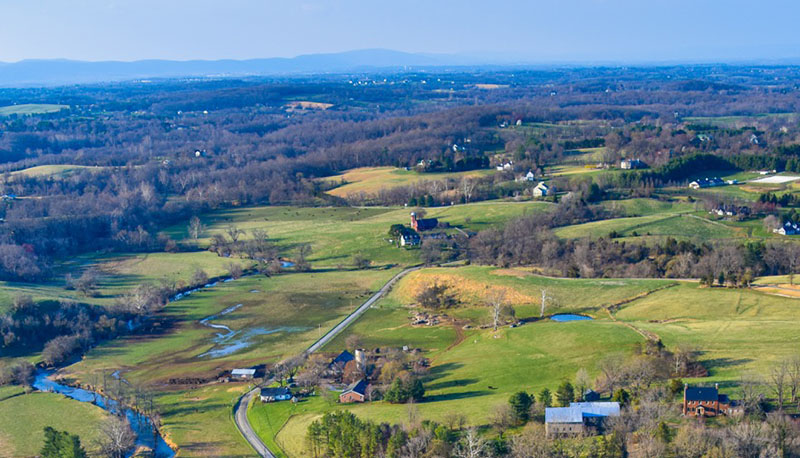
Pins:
x: 359, y: 387
x: 577, y: 411
x: 344, y: 357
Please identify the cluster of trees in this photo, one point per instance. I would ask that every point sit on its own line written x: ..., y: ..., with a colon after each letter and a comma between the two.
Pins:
x: 61, y: 328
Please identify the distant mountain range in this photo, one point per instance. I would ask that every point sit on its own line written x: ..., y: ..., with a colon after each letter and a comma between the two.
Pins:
x: 60, y: 71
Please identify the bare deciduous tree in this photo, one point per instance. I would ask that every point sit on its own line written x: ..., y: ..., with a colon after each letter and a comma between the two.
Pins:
x: 116, y: 437
x: 496, y: 300
x: 779, y: 376
x: 471, y: 446
x: 195, y: 227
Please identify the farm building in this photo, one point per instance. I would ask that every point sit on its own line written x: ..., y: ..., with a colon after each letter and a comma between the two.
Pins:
x: 420, y: 225
x: 357, y: 392
x: 706, y: 183
x: 707, y: 402
x: 275, y: 394
x: 343, y: 358
x: 542, y: 190
x: 578, y: 418
x: 410, y: 238
x: 629, y: 164
x: 243, y: 374
x: 788, y: 228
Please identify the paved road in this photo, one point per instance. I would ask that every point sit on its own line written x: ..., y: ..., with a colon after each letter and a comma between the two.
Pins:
x: 240, y: 417
x: 240, y: 411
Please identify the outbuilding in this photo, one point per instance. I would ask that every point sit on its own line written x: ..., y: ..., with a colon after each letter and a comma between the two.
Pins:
x: 243, y: 374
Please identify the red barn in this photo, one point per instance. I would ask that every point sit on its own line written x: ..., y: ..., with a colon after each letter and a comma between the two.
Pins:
x: 420, y: 225
x: 357, y: 392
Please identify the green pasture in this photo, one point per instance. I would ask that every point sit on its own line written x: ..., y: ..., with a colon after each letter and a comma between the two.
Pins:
x: 24, y: 416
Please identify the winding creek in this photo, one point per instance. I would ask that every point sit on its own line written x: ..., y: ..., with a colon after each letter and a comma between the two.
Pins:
x: 146, y: 435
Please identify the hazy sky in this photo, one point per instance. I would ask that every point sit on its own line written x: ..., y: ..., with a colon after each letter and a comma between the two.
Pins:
x: 531, y: 31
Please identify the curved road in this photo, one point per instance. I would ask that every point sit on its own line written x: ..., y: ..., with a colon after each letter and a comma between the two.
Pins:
x: 240, y: 410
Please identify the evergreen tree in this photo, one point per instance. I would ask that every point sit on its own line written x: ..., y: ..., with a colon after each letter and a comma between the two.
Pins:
x: 521, y: 403
x: 61, y: 444
x: 565, y: 393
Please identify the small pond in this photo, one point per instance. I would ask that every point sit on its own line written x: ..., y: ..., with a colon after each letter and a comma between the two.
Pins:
x: 570, y: 317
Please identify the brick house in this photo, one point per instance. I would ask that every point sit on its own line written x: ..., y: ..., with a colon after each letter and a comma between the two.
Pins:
x: 357, y: 392
x: 707, y: 402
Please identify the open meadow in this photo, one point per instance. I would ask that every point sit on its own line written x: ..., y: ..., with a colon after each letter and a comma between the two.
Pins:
x: 371, y: 180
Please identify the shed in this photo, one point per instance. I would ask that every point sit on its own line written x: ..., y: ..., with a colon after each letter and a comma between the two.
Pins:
x: 243, y: 373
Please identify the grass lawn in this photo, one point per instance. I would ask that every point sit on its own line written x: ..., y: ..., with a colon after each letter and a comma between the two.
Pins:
x: 370, y: 180
x: 23, y: 416
x: 31, y: 109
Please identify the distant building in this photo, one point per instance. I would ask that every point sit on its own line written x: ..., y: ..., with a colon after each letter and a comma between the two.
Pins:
x: 275, y: 394
x: 707, y: 402
x: 409, y: 238
x: 542, y: 190
x: 706, y: 183
x: 357, y: 392
x: 420, y: 225
x: 243, y: 374
x: 530, y: 176
x: 629, y: 164
x: 788, y: 228
x: 578, y: 418
x: 506, y: 166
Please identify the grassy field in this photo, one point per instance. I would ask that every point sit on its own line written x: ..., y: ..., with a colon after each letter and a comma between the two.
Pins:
x: 679, y: 226
x: 53, y: 170
x: 370, y: 180
x: 31, y: 108
x: 23, y: 416
x: 739, y: 331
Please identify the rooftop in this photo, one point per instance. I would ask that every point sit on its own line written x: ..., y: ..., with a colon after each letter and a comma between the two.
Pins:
x: 577, y: 411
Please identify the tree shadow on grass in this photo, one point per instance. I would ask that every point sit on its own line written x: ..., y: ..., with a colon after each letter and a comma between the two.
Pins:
x: 717, y: 363
x: 454, y: 396
x: 451, y: 384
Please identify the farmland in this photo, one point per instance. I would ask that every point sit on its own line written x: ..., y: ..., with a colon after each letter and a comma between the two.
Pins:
x: 741, y: 332
x: 371, y: 180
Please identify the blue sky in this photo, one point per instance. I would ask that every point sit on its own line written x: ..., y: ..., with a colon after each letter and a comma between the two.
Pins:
x: 524, y: 31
